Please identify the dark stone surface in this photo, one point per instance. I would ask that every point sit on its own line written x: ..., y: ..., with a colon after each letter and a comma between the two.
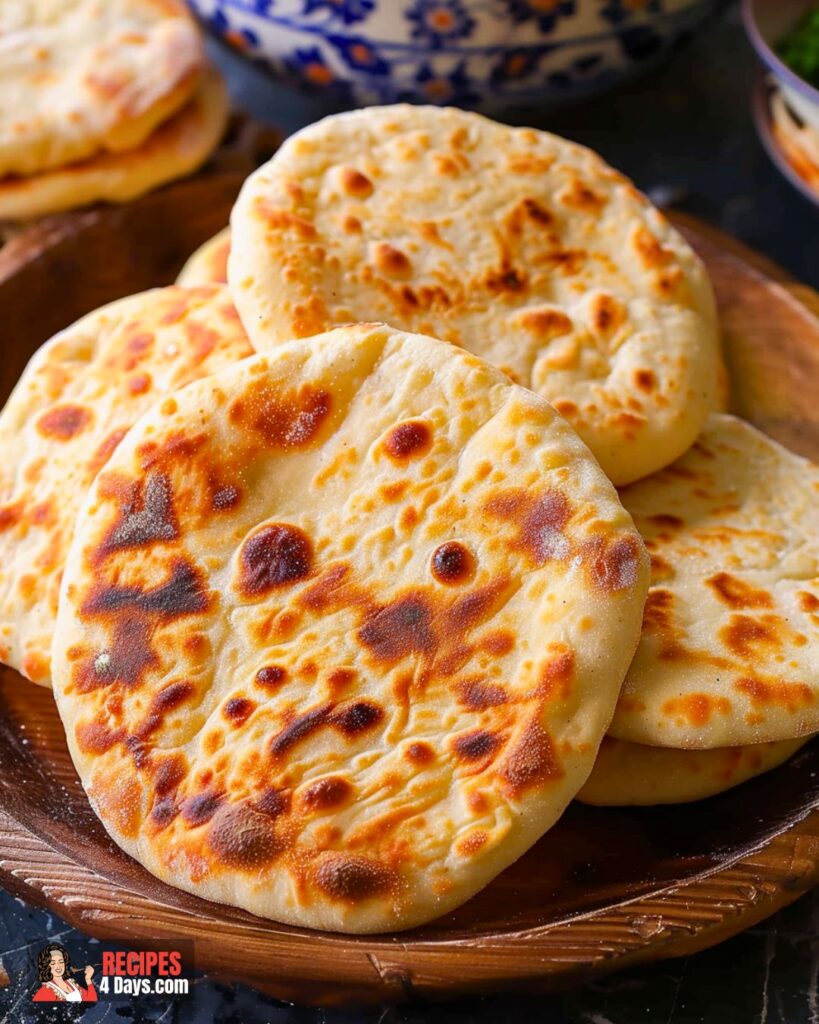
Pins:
x: 767, y: 975
x: 685, y: 135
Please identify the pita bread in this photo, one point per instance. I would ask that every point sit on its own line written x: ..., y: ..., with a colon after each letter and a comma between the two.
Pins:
x: 352, y: 690
x: 630, y: 774
x: 208, y: 265
x: 76, y: 399
x: 522, y: 247
x: 176, y: 148
x: 80, y: 77
x: 729, y: 653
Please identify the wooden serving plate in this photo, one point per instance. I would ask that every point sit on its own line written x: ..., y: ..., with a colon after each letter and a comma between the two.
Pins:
x: 603, y: 889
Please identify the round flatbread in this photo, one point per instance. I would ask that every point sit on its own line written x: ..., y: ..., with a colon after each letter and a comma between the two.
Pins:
x: 178, y: 147
x: 362, y: 654
x: 75, y: 401
x: 79, y: 77
x: 631, y: 774
x: 208, y: 265
x: 522, y: 247
x: 729, y: 653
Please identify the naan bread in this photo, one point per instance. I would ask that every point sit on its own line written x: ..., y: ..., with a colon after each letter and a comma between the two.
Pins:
x: 631, y: 774
x: 522, y: 247
x: 729, y: 653
x: 208, y: 265
x: 178, y: 147
x: 341, y: 630
x: 76, y: 399
x: 79, y: 77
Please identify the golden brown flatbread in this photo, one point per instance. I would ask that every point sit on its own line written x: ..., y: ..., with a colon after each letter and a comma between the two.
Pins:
x: 208, y: 265
x: 729, y: 654
x: 341, y: 630
x: 178, y: 147
x: 632, y: 774
x: 523, y: 248
x: 76, y: 400
x: 82, y: 77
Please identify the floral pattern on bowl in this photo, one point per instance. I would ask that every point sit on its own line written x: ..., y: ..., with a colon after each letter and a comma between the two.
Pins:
x: 466, y: 52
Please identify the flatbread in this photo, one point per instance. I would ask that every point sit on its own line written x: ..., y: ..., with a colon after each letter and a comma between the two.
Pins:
x: 178, y: 147
x: 729, y: 653
x: 208, y: 265
x: 524, y: 248
x: 76, y: 399
x: 363, y: 653
x: 631, y: 774
x: 80, y: 77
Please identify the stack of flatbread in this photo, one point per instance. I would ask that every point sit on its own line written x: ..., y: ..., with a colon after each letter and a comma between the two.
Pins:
x: 100, y: 100
x: 328, y: 567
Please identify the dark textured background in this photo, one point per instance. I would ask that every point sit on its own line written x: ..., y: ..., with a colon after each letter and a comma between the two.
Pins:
x: 685, y: 135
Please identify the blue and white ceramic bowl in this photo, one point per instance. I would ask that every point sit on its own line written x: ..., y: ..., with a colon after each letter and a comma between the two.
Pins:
x: 464, y: 52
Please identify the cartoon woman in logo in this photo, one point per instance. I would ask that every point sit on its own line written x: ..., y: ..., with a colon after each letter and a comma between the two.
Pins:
x: 53, y: 968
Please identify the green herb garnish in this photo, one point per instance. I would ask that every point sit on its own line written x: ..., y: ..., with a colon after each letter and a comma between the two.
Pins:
x: 800, y: 47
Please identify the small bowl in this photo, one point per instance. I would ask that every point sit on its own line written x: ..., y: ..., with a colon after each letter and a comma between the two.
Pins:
x: 762, y: 95
x: 489, y: 53
x: 766, y: 22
